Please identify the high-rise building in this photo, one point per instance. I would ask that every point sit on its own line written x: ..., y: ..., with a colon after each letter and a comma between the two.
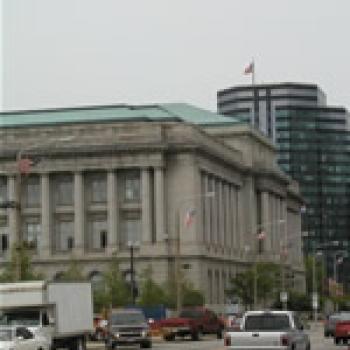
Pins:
x: 313, y: 140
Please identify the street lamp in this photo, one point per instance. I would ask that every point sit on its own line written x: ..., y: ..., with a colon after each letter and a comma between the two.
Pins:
x: 132, y: 245
x: 24, y: 168
x: 178, y: 252
x: 260, y: 238
x: 314, y: 280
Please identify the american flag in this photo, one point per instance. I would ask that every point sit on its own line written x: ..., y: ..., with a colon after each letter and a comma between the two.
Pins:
x: 24, y: 165
x: 249, y: 69
x: 261, y: 235
x: 189, y: 217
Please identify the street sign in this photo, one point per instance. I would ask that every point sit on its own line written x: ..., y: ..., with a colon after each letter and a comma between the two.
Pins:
x: 284, y: 297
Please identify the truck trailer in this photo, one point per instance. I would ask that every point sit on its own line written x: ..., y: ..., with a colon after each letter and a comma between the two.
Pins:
x: 62, y: 312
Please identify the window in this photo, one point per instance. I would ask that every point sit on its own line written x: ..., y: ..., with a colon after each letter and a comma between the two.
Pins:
x: 97, y: 187
x: 131, y: 228
x: 266, y: 322
x: 98, y: 234
x: 32, y: 231
x: 64, y: 235
x: 132, y: 185
x: 3, y: 189
x: 31, y: 192
x: 63, y: 189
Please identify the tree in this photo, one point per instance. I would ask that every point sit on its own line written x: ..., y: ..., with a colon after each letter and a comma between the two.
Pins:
x: 151, y: 293
x: 113, y: 290
x: 27, y: 272
x: 192, y: 296
x: 242, y: 285
x: 73, y: 273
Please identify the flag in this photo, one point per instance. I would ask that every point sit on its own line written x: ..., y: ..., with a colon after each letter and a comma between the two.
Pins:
x: 284, y: 251
x: 189, y: 217
x: 249, y: 69
x: 261, y: 235
x: 25, y: 165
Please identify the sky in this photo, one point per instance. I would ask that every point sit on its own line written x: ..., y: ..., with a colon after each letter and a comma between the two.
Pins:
x: 63, y: 53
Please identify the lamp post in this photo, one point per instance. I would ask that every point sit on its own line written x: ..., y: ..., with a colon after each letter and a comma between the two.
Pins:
x: 178, y: 246
x: 132, y: 246
x: 315, y: 300
x: 24, y: 168
x: 257, y: 254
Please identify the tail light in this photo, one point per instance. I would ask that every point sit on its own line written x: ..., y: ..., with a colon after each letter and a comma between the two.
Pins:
x: 227, y: 340
x: 284, y: 340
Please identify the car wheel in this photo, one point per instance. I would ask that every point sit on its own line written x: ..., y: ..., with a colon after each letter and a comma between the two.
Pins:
x: 197, y: 335
x: 146, y: 345
x: 169, y: 337
x: 336, y: 341
x: 219, y: 333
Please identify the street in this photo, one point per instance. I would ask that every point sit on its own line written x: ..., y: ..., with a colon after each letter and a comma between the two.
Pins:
x: 318, y: 342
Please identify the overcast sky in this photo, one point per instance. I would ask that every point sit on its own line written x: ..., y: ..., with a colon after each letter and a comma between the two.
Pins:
x: 59, y: 53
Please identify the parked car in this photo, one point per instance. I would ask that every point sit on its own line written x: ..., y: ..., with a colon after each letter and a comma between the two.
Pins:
x: 21, y: 338
x: 127, y: 326
x: 268, y: 329
x: 192, y: 322
x: 342, y: 331
x: 329, y: 325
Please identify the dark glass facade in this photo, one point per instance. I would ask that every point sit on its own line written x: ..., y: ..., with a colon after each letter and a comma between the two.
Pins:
x: 313, y: 142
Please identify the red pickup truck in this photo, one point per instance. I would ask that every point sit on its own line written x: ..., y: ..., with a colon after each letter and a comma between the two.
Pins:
x: 342, y: 331
x: 192, y: 322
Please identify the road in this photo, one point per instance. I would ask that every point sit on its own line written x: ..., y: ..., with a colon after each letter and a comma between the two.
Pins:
x: 318, y: 342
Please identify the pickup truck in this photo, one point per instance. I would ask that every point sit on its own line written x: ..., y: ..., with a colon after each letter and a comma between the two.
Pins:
x: 342, y: 331
x: 279, y: 330
x: 191, y: 322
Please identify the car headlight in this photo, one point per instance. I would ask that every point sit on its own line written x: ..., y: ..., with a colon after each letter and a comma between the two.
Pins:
x: 116, y: 335
x: 144, y: 333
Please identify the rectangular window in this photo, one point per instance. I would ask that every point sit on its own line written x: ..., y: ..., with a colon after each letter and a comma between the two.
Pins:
x: 98, y: 234
x: 131, y: 228
x: 96, y: 187
x: 132, y: 185
x: 32, y: 232
x: 63, y: 189
x: 31, y: 192
x: 4, y: 243
x: 64, y: 233
x: 3, y: 189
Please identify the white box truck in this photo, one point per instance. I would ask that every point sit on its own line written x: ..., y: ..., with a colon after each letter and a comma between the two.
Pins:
x: 59, y: 311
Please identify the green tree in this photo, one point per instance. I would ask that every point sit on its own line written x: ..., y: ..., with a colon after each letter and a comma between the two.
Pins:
x: 73, y: 273
x: 23, y: 252
x: 151, y: 293
x: 242, y: 285
x: 113, y: 291
x: 192, y: 296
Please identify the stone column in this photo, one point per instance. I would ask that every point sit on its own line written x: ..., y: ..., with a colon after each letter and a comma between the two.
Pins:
x: 221, y: 216
x: 240, y: 224
x: 112, y: 212
x: 159, y: 203
x: 146, y: 215
x: 44, y: 244
x: 265, y: 219
x: 208, y: 204
x: 12, y: 212
x: 79, y: 214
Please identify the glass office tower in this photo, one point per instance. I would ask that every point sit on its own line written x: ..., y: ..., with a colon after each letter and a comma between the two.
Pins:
x: 313, y: 141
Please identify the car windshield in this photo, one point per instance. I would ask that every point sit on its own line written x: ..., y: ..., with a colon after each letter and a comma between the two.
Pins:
x: 5, y: 334
x: 127, y: 318
x: 191, y: 314
x: 266, y: 323
x: 23, y: 318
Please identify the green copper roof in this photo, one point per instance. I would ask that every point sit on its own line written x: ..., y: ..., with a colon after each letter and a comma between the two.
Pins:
x: 161, y: 112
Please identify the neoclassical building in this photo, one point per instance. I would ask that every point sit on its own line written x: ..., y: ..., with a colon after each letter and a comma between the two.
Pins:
x: 105, y: 176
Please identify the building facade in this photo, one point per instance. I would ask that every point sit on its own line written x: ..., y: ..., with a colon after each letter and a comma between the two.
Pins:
x: 104, y: 177
x: 312, y: 139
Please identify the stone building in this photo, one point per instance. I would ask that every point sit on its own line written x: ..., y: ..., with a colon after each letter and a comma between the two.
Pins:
x: 105, y: 176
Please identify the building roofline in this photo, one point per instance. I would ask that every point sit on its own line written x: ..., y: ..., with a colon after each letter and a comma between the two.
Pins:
x: 269, y: 85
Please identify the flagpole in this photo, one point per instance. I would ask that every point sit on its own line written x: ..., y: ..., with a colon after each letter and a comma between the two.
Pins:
x: 253, y: 84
